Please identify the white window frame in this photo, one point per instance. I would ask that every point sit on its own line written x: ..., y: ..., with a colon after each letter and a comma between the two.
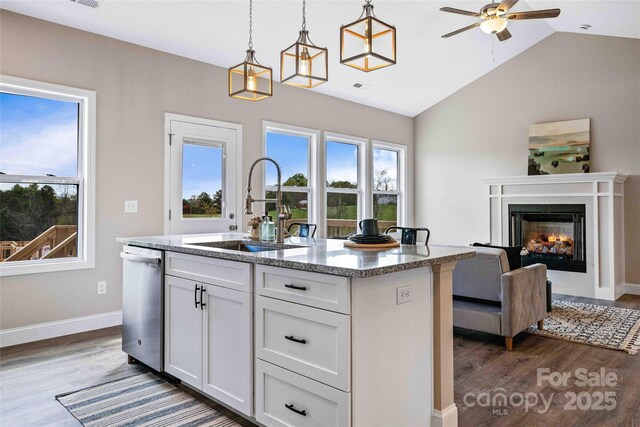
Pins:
x: 364, y: 198
x: 402, y: 215
x: 85, y: 178
x: 313, y: 136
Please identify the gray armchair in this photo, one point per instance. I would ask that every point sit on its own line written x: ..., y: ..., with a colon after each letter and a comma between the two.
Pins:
x: 490, y: 298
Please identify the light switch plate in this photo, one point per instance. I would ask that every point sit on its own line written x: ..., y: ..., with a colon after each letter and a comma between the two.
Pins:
x: 130, y: 206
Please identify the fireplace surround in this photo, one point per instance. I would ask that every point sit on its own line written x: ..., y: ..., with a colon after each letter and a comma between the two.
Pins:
x: 601, y: 194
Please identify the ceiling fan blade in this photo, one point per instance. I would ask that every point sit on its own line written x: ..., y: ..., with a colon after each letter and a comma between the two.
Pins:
x: 468, y: 27
x: 506, y: 5
x: 503, y: 35
x: 534, y: 14
x: 459, y: 11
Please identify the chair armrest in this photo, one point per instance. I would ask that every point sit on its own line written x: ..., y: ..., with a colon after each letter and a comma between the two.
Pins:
x: 524, y: 298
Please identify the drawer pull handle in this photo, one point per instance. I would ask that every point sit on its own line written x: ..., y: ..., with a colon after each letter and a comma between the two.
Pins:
x: 292, y: 408
x: 299, y: 288
x: 195, y: 296
x: 291, y: 338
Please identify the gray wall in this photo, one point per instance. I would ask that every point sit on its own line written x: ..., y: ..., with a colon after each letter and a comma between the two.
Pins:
x: 135, y: 86
x: 482, y: 130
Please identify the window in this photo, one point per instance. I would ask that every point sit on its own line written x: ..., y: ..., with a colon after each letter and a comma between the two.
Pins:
x: 337, y: 183
x: 343, y: 200
x: 201, y: 180
x: 291, y: 147
x: 386, y: 185
x: 46, y: 180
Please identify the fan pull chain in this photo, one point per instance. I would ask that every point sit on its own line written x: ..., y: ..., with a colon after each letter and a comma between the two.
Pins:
x: 493, y: 50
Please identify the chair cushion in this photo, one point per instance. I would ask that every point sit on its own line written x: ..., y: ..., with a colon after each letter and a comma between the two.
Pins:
x: 480, y: 277
x: 513, y: 254
x: 477, y: 316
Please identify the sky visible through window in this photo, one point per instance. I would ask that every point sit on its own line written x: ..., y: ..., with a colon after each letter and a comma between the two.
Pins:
x: 342, y: 162
x: 292, y: 154
x: 201, y: 170
x: 385, y: 160
x: 38, y: 136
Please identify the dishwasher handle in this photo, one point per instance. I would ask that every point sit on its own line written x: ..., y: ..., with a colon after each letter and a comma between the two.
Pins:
x: 141, y: 258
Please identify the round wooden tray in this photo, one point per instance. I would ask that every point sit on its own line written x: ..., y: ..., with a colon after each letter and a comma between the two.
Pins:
x: 388, y: 245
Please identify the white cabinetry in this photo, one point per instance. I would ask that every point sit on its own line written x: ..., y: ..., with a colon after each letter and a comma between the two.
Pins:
x: 208, y: 338
x: 302, y: 348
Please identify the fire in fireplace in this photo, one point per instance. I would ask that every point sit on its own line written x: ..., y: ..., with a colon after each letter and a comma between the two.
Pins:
x: 552, y: 234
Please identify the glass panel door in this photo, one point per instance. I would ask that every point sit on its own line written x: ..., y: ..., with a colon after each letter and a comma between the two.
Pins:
x: 203, y: 187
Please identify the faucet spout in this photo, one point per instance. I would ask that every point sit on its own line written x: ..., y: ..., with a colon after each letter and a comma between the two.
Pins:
x: 282, y: 212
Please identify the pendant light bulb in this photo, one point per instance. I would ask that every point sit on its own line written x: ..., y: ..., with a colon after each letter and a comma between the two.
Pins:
x: 367, y: 46
x: 251, y: 79
x: 304, y: 62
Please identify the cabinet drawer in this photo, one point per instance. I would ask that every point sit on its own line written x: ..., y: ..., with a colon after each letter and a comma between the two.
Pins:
x: 309, y: 341
x: 303, y: 287
x: 220, y: 272
x: 278, y: 389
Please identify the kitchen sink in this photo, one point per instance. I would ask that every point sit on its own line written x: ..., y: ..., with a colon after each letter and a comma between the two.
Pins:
x: 248, y: 246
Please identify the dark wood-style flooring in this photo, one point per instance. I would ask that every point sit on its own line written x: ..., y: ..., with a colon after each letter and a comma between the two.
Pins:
x: 32, y: 374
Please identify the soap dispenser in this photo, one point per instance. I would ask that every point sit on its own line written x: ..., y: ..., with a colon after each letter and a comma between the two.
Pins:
x: 268, y: 229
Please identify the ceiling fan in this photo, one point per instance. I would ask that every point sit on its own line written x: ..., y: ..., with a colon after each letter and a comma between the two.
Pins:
x: 495, y: 16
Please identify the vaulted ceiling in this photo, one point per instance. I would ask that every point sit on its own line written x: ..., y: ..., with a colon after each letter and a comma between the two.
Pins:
x: 429, y: 68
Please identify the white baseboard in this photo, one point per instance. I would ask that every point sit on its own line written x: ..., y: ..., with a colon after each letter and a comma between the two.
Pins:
x: 43, y: 331
x: 632, y: 288
x: 446, y: 418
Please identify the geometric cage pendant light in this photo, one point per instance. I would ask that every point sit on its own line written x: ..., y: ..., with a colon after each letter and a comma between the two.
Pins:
x: 249, y: 80
x: 368, y: 43
x: 304, y: 64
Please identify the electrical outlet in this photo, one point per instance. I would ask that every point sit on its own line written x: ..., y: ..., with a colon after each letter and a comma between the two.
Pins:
x: 404, y: 294
x: 130, y: 206
x: 102, y: 287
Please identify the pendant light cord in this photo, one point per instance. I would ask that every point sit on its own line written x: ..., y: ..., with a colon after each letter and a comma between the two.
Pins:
x: 251, y: 24
x: 304, y: 15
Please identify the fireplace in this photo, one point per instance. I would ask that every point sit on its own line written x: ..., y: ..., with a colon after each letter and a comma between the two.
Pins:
x: 553, y: 234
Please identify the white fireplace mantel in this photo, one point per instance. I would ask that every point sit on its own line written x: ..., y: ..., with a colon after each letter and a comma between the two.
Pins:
x: 602, y: 194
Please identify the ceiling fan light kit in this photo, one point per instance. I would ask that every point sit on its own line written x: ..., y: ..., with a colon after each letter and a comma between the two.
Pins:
x: 304, y: 64
x: 368, y: 43
x: 494, y: 18
x: 250, y: 80
x: 493, y: 25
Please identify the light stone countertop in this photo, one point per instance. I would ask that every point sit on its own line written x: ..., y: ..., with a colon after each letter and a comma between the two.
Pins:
x: 317, y: 255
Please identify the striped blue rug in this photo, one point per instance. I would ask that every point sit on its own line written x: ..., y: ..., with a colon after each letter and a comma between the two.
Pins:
x: 140, y: 400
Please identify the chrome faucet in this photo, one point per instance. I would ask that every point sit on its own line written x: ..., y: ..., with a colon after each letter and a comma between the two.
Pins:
x: 282, y: 211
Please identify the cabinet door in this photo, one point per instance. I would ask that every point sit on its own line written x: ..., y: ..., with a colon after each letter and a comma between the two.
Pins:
x: 228, y: 355
x: 183, y: 330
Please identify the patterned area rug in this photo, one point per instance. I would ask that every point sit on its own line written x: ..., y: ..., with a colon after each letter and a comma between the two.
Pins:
x: 597, y: 325
x: 140, y: 400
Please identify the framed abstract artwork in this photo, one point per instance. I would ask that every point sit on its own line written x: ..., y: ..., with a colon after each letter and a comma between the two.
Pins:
x: 559, y: 147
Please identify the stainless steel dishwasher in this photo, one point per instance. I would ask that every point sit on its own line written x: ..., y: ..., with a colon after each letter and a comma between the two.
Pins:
x: 142, y: 305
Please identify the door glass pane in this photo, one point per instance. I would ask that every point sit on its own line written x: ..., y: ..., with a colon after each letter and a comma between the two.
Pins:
x: 385, y: 170
x: 342, y: 214
x: 292, y: 154
x: 47, y: 213
x: 39, y: 136
x: 201, y: 180
x: 385, y: 208
x: 342, y: 165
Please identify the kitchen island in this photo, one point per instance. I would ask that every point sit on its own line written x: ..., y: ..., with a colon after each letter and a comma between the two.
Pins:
x: 318, y: 333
